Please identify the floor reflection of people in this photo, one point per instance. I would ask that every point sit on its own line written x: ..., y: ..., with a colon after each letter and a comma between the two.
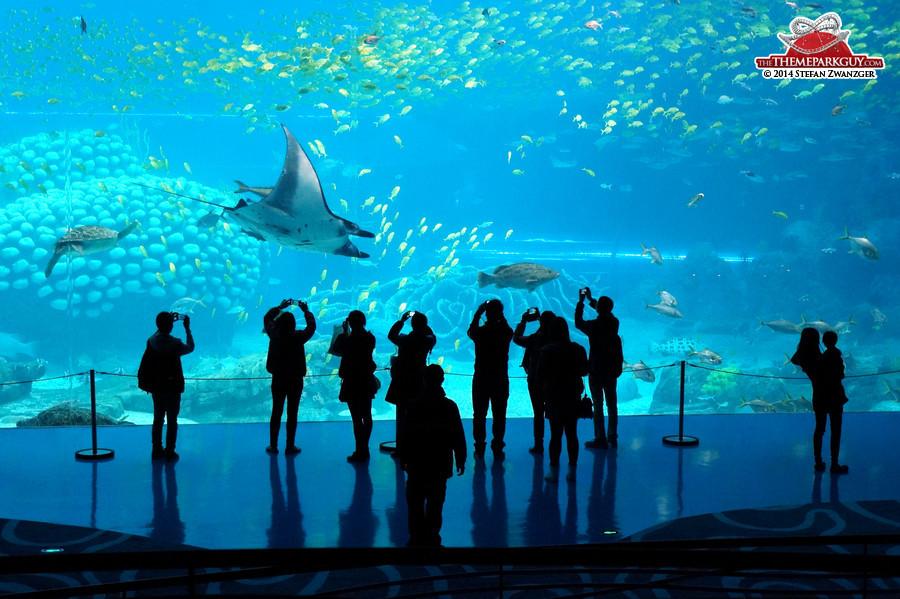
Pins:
x: 490, y: 520
x: 834, y: 493
x: 167, y: 525
x: 544, y: 523
x: 398, y: 521
x: 358, y: 522
x: 601, y: 514
x: 287, y: 519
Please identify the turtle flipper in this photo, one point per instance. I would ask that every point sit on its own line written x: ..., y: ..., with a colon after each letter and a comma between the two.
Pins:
x: 53, y: 260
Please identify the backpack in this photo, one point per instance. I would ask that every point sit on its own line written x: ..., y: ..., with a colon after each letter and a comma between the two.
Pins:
x: 148, y: 370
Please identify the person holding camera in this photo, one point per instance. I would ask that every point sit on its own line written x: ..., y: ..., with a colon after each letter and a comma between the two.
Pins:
x: 162, y: 375
x: 358, y: 383
x: 490, y: 383
x: 605, y: 365
x: 407, y: 366
x: 533, y: 344
x: 560, y: 366
x: 286, y: 362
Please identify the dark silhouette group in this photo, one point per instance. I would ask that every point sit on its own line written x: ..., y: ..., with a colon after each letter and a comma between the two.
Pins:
x: 429, y: 432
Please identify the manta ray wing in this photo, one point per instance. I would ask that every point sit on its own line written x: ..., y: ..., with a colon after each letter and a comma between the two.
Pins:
x: 295, y: 213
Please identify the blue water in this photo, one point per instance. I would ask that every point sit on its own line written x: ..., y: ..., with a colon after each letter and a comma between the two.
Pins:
x: 511, y: 140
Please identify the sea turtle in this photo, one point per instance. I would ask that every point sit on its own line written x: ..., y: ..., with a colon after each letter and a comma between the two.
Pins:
x: 67, y: 414
x: 86, y: 240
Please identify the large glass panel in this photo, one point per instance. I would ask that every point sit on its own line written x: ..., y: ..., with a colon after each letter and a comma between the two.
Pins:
x: 633, y: 148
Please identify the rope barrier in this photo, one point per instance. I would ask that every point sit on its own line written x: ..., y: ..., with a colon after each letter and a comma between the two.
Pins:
x: 386, y: 369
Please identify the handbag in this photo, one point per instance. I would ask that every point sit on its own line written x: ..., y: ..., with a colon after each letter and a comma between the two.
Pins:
x: 585, y: 407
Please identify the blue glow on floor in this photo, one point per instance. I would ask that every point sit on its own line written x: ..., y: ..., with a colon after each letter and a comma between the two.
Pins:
x: 226, y: 492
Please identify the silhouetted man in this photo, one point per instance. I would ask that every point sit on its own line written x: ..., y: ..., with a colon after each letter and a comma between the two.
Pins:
x: 434, y: 436
x: 605, y: 365
x: 490, y: 384
x: 161, y: 366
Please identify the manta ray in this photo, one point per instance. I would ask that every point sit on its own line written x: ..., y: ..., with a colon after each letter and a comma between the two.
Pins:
x: 294, y: 212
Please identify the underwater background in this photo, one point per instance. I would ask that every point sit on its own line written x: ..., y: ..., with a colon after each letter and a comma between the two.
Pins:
x: 573, y: 135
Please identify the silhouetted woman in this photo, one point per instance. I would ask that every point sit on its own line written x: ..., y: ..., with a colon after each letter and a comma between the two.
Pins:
x: 533, y: 345
x: 809, y: 358
x: 355, y: 346
x: 561, y: 365
x: 286, y: 361
x: 407, y: 367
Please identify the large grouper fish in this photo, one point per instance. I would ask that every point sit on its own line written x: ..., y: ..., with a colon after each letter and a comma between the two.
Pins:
x: 294, y: 212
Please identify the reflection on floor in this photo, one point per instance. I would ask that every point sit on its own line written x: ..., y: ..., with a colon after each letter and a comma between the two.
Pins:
x: 226, y: 492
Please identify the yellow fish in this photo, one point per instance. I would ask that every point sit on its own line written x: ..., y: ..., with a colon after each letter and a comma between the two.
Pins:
x: 187, y: 167
x: 362, y: 297
x: 164, y: 242
x: 362, y: 172
x: 404, y: 261
x: 213, y: 313
x: 322, y: 312
x: 324, y: 274
x: 401, y: 308
x: 259, y: 302
x: 518, y: 171
x: 436, y: 227
x: 172, y: 267
x: 405, y: 110
x: 229, y: 265
x: 334, y: 286
x: 398, y: 140
x: 589, y: 172
x: 199, y: 264
x: 161, y: 280
x: 395, y: 191
x: 456, y: 344
x: 144, y: 252
x: 227, y: 278
x: 508, y: 233
x: 780, y: 214
x: 402, y: 283
x: 372, y: 305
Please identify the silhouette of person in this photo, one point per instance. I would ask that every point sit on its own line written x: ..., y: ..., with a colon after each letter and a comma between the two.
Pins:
x: 490, y: 384
x: 833, y: 397
x: 406, y: 367
x: 561, y: 365
x: 823, y: 376
x: 434, y: 437
x: 167, y: 381
x: 286, y: 362
x: 605, y: 365
x: 533, y: 344
x: 357, y: 371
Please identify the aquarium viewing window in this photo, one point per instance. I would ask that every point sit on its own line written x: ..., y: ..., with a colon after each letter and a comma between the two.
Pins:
x: 632, y: 148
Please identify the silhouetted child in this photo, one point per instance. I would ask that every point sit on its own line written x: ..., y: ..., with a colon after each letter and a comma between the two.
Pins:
x: 834, y: 396
x: 434, y: 436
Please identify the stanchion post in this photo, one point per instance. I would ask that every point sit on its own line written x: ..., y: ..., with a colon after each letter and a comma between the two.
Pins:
x: 94, y: 453
x: 680, y: 439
